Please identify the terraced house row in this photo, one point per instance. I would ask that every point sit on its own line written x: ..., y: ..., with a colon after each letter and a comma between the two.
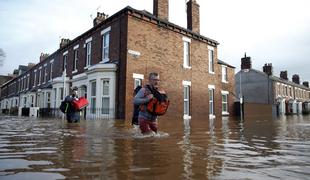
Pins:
x: 108, y: 61
x: 263, y: 87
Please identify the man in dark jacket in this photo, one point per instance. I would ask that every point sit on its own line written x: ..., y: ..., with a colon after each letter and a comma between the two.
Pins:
x: 72, y: 114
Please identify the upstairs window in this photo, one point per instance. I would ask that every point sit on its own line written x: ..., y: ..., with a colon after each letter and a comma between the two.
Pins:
x: 105, y: 44
x: 65, y: 59
x: 186, y: 52
x: 88, y: 54
x: 75, y: 59
x: 224, y: 74
x: 211, y: 59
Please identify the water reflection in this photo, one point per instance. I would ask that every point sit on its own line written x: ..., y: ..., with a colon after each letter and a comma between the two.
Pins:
x: 226, y: 148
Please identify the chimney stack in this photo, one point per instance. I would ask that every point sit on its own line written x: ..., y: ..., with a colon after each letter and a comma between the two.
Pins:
x: 267, y: 68
x: 246, y: 62
x: 161, y: 9
x: 100, y: 18
x: 306, y: 83
x: 295, y: 78
x: 283, y: 75
x: 63, y: 42
x: 193, y: 16
x: 43, y: 56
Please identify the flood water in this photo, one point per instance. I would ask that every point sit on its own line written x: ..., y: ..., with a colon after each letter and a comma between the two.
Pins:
x: 48, y: 149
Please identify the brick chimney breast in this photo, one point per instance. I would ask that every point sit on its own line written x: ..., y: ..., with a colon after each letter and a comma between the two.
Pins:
x: 306, y: 83
x: 63, y: 42
x: 283, y: 75
x: 193, y: 16
x: 295, y: 78
x: 161, y: 9
x: 100, y: 18
x: 246, y: 62
x: 267, y: 68
x: 43, y: 56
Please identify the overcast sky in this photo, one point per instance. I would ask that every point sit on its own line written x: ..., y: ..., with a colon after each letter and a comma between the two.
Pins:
x: 270, y: 31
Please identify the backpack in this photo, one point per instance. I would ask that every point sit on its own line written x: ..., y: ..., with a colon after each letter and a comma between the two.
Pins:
x: 64, y: 106
x: 157, y: 106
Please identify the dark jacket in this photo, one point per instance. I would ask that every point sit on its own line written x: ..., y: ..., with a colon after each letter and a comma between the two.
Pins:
x: 72, y: 114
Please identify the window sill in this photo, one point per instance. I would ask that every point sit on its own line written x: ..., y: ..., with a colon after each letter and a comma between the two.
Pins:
x: 210, y: 72
x: 226, y: 82
x: 185, y: 116
x: 187, y: 67
x: 211, y: 116
x: 86, y: 67
x: 225, y: 113
x: 75, y: 71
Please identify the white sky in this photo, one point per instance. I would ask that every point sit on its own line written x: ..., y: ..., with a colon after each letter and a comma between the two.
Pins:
x: 273, y: 31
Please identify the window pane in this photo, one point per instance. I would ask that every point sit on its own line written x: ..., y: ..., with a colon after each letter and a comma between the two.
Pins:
x: 138, y: 82
x: 105, y: 105
x: 186, y: 100
x: 105, y: 88
x: 186, y: 54
x: 93, y: 89
x: 93, y: 105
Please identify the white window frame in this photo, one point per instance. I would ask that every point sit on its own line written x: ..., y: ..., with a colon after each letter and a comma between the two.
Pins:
x: 75, y: 59
x: 21, y: 84
x: 40, y: 76
x: 93, y: 97
x: 211, y: 59
x: 65, y: 60
x: 186, y: 53
x: 186, y: 99
x: 88, y: 45
x: 211, y: 101
x: 138, y: 78
x: 61, y: 93
x: 225, y: 93
x: 51, y: 70
x: 28, y: 81
x: 105, y: 35
x: 224, y: 74
x: 35, y: 78
x: 105, y: 96
x: 45, y: 73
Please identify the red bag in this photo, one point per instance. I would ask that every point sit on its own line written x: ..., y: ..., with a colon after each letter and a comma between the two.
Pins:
x: 158, y: 108
x: 80, y: 103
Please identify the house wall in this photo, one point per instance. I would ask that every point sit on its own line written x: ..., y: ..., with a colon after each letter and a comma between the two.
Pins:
x: 161, y: 50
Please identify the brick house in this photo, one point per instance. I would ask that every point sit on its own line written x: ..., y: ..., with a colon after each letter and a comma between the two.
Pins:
x: 108, y: 61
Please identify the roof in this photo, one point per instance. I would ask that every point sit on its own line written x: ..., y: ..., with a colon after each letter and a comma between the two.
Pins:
x: 224, y: 63
x: 274, y: 78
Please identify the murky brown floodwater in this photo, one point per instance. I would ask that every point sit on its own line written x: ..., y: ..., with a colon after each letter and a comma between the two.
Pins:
x: 44, y: 149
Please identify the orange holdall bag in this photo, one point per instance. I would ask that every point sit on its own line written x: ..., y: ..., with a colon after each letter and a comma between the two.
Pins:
x: 80, y: 103
x: 159, y: 104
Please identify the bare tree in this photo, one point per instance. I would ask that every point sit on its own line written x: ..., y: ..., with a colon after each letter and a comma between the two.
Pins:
x: 2, y: 56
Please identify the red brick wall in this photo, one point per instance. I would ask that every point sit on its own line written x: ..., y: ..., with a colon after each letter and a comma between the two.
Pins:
x: 162, y: 51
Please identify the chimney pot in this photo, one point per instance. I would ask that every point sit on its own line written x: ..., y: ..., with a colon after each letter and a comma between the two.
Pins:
x: 63, y: 42
x: 100, y: 18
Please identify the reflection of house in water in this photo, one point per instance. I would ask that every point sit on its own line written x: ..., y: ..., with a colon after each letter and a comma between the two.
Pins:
x: 280, y: 95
